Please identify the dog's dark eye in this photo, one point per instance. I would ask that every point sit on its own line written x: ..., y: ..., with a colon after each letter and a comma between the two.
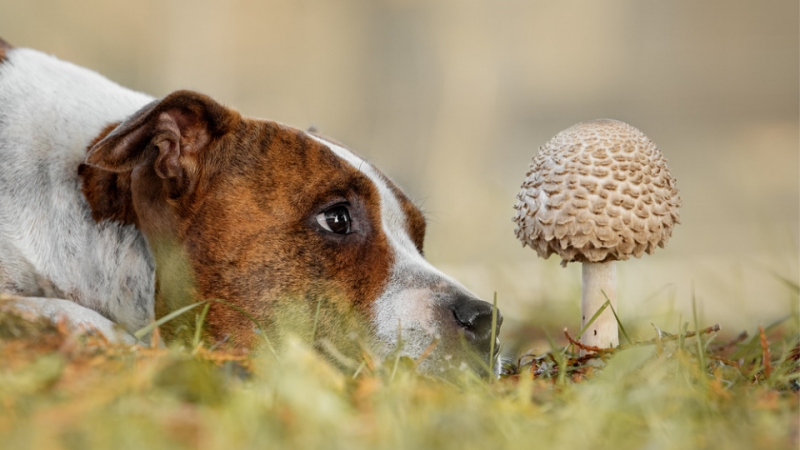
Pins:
x: 335, y: 220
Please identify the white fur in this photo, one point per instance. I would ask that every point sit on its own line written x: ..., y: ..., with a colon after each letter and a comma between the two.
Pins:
x: 77, y: 318
x: 49, y: 111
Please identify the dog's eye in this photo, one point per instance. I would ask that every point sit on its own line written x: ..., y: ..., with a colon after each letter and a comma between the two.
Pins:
x: 335, y: 220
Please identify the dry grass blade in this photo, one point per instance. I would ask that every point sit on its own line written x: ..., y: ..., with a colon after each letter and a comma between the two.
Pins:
x: 765, y: 355
x: 337, y: 355
x: 428, y: 350
x: 183, y: 397
x: 155, y: 339
x: 494, y: 332
x: 673, y: 337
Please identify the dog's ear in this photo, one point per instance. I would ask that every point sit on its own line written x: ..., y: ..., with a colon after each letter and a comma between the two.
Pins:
x: 169, y: 133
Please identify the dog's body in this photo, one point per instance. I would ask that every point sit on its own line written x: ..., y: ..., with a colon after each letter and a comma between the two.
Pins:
x: 49, y: 245
x: 106, y: 194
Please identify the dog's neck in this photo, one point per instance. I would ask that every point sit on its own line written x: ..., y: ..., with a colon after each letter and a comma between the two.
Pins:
x: 110, y: 197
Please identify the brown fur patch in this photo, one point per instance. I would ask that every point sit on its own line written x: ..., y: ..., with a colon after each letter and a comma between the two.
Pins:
x: 4, y: 48
x: 255, y: 239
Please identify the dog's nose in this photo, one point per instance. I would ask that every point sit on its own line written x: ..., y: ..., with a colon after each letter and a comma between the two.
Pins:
x: 475, y: 316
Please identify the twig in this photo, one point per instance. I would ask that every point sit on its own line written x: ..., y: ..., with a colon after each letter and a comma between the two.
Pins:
x: 766, y: 356
x: 587, y: 348
x: 607, y: 351
x: 742, y: 336
x: 794, y: 354
x: 672, y: 337
x: 726, y: 361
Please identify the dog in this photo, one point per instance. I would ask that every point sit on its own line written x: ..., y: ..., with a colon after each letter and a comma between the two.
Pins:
x: 117, y: 208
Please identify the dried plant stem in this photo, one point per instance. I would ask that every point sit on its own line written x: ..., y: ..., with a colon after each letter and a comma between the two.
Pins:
x: 672, y: 337
x: 766, y: 355
x: 741, y: 338
x: 587, y: 348
x: 726, y: 361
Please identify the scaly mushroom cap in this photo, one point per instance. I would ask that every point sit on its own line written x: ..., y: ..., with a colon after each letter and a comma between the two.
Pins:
x: 598, y: 191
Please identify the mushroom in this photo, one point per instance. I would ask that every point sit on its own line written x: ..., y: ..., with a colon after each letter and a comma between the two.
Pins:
x: 596, y: 193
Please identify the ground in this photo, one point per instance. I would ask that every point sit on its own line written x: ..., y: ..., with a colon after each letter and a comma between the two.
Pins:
x: 59, y: 391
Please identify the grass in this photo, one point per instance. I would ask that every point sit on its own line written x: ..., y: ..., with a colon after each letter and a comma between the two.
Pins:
x: 684, y: 391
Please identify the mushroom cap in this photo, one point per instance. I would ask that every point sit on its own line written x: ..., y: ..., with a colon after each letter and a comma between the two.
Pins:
x: 598, y: 191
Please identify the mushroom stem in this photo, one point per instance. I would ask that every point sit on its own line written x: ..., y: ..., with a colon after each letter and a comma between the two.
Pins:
x: 599, y: 278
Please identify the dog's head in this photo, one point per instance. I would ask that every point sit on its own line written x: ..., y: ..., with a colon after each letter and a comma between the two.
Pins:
x: 275, y: 220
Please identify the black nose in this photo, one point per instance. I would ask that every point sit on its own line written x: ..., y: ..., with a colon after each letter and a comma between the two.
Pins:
x: 475, y: 316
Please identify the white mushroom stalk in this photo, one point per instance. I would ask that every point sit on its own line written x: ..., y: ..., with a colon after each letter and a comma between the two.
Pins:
x: 599, y: 281
x: 597, y: 193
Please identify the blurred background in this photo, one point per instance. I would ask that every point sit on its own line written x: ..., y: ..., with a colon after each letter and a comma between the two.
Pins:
x: 452, y: 99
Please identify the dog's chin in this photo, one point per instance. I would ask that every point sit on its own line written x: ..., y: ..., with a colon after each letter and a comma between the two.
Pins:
x: 451, y: 366
x: 443, y: 357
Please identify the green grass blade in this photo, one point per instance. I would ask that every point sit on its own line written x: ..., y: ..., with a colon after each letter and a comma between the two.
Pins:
x: 684, y: 332
x: 360, y: 367
x: 143, y: 332
x: 394, y: 369
x: 791, y: 376
x: 252, y: 319
x: 472, y: 354
x: 316, y: 321
x: 594, y: 317
x: 559, y: 357
x: 777, y: 323
x: 399, y: 348
x: 494, y: 331
x: 701, y: 358
x: 619, y: 322
x: 754, y: 344
x: 199, y: 325
x: 780, y: 369
x: 789, y: 283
